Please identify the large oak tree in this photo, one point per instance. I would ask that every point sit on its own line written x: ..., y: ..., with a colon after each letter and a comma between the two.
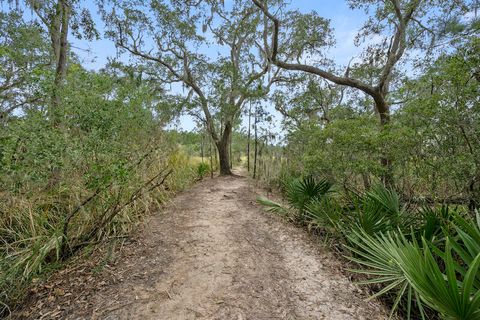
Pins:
x: 398, y: 26
x: 213, y: 51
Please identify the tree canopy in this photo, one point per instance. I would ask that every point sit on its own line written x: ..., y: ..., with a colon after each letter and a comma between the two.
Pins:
x: 381, y: 151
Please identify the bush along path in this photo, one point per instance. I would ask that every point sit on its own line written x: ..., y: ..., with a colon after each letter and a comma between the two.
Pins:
x: 213, y: 254
x: 425, y: 261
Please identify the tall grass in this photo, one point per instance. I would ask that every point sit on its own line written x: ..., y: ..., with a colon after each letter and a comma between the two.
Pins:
x: 40, y: 228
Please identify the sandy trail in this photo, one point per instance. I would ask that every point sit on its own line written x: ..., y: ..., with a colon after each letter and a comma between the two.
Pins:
x: 213, y: 254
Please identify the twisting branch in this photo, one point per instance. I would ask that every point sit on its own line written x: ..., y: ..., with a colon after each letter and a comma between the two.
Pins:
x: 307, y: 68
x: 395, y: 52
x: 187, y: 77
x: 398, y: 44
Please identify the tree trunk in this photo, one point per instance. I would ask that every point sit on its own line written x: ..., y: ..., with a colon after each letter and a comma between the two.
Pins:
x: 231, y: 151
x: 63, y: 49
x: 211, y: 160
x: 248, y: 137
x: 223, y: 150
x: 474, y: 194
x: 383, y: 110
x: 60, y: 49
x: 201, y: 150
x: 366, y: 181
x: 255, y: 146
x: 224, y: 159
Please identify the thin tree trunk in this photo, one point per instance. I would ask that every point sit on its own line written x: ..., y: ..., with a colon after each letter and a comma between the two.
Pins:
x: 216, y: 154
x: 366, y: 180
x: 231, y: 152
x: 211, y: 160
x: 202, y: 145
x: 386, y: 162
x: 248, y: 136
x: 474, y: 195
x: 222, y: 146
x: 60, y: 48
x: 63, y: 50
x: 255, y: 146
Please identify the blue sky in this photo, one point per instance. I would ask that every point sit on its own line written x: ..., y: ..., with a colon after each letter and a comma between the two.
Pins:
x: 345, y: 22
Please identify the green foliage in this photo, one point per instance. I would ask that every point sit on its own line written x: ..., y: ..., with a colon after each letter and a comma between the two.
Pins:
x: 412, y: 271
x: 24, y: 64
x: 300, y: 192
x: 443, y: 291
x: 202, y: 170
x: 326, y: 213
x: 108, y: 145
x: 307, y: 28
x: 406, y: 254
x: 467, y: 244
x: 346, y: 147
x: 381, y: 256
x: 306, y: 200
x: 379, y: 211
x: 424, y: 273
x: 434, y: 221
x: 272, y: 206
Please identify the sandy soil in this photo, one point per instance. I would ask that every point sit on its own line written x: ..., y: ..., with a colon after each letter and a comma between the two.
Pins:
x: 212, y: 254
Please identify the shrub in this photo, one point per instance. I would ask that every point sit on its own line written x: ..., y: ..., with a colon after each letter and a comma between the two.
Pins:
x: 427, y: 257
x: 202, y: 170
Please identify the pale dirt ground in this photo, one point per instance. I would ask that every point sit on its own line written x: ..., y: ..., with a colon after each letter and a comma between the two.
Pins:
x: 212, y: 254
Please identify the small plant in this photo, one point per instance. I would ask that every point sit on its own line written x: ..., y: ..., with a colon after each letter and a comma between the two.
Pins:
x: 302, y: 195
x: 301, y: 192
x: 272, y: 206
x: 326, y: 213
x: 202, y: 170
x: 380, y: 256
x: 379, y: 210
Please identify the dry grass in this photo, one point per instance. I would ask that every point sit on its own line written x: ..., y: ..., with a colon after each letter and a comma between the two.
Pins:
x: 32, y: 221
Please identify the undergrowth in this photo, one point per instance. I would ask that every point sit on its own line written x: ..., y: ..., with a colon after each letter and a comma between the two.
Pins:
x: 42, y: 227
x: 424, y: 260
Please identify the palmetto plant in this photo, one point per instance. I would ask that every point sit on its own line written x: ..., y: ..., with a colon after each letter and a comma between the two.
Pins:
x: 202, y: 170
x: 326, y: 212
x: 272, y: 206
x: 453, y: 297
x: 469, y: 234
x: 300, y: 192
x: 385, y: 199
x: 379, y: 210
x: 379, y: 256
x: 433, y: 277
x: 467, y: 244
x: 434, y: 221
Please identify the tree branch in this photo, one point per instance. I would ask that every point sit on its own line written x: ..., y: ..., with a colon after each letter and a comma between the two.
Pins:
x: 307, y: 68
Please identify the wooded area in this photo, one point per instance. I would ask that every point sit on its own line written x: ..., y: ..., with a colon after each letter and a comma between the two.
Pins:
x: 380, y: 156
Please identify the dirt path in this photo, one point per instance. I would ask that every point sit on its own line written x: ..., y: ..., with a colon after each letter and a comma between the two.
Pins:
x: 215, y: 255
